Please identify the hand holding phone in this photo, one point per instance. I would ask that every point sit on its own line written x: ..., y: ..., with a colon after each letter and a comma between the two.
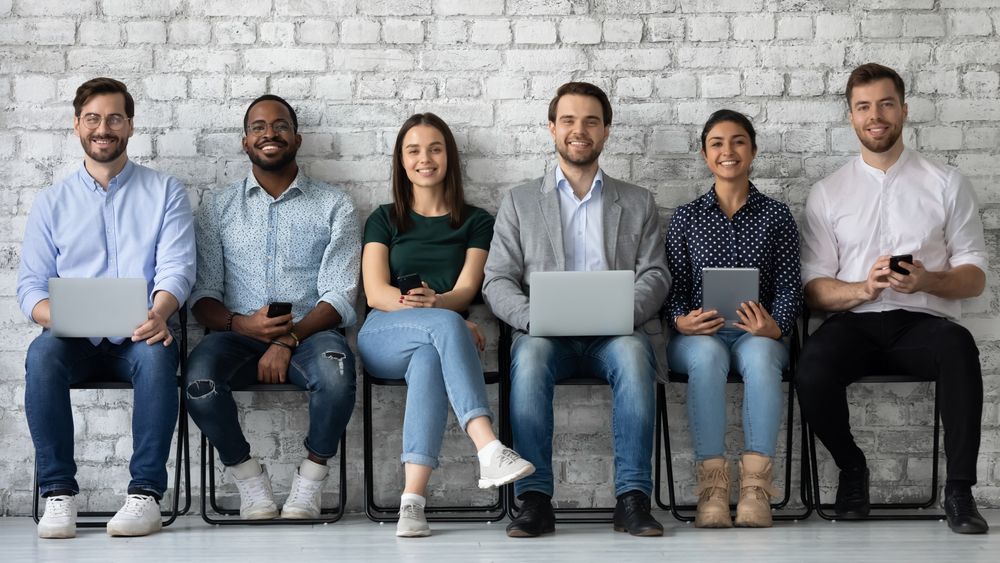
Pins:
x: 895, y: 260
x: 406, y: 282
x: 278, y: 309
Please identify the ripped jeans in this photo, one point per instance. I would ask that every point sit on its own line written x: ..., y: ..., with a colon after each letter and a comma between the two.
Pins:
x: 322, y: 364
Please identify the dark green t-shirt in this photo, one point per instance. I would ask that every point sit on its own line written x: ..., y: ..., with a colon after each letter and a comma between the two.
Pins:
x: 430, y: 247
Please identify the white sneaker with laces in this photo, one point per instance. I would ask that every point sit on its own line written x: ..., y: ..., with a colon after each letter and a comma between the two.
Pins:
x: 139, y: 517
x: 412, y: 522
x: 303, y: 499
x: 256, y: 498
x: 59, y: 520
x: 505, y: 466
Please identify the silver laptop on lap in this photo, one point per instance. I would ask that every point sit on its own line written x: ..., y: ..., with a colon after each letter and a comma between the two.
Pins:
x: 96, y: 307
x: 582, y: 303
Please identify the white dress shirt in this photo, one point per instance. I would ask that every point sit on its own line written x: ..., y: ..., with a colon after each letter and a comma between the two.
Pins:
x: 582, y: 224
x: 917, y: 207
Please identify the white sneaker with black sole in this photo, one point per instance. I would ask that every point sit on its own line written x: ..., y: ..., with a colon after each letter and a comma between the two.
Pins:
x: 139, y: 517
x: 59, y: 520
x: 505, y: 466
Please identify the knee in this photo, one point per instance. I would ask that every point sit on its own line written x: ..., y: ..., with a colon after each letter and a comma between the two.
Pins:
x: 953, y: 338
x: 697, y: 355
x: 632, y: 358
x: 335, y: 378
x: 763, y: 360
x: 44, y: 351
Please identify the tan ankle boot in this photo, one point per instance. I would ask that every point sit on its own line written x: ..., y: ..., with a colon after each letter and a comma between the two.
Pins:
x: 756, y: 490
x: 713, y: 494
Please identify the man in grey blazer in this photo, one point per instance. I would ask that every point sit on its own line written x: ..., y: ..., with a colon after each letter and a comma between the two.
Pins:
x: 578, y: 218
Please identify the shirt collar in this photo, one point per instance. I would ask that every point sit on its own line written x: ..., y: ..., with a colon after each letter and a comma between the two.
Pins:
x: 562, y: 183
x: 894, y: 169
x: 116, y: 182
x: 711, y: 200
x: 299, y: 185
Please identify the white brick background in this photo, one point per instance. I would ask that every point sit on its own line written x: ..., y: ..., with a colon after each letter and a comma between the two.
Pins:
x: 356, y: 69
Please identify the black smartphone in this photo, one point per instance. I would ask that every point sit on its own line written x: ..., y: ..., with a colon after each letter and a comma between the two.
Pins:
x: 895, y: 260
x: 279, y: 308
x: 406, y: 282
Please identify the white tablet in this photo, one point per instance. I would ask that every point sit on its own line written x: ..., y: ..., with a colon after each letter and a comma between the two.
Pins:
x: 723, y: 289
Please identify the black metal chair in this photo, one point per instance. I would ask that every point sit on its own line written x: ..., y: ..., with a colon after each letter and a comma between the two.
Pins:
x: 208, y: 493
x: 182, y: 464
x: 823, y: 509
x: 568, y: 514
x: 450, y: 513
x: 734, y: 377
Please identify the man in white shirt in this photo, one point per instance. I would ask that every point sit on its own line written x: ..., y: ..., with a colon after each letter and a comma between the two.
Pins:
x: 887, y: 318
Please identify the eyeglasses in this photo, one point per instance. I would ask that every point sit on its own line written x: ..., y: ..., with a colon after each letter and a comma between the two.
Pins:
x: 115, y: 121
x: 280, y: 127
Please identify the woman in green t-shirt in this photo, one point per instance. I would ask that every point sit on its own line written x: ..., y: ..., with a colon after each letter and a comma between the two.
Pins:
x: 421, y: 335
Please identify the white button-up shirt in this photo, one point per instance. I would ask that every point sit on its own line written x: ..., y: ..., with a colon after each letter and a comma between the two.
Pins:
x: 582, y: 224
x: 917, y: 207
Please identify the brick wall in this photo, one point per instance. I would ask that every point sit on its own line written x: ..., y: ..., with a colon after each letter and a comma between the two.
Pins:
x: 355, y: 69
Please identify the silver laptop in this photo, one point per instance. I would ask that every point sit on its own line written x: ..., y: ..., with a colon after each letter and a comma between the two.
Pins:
x: 582, y: 303
x: 723, y: 289
x: 96, y: 307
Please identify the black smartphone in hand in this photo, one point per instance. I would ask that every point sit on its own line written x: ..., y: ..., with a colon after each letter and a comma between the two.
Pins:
x: 895, y: 260
x: 406, y: 282
x: 279, y: 308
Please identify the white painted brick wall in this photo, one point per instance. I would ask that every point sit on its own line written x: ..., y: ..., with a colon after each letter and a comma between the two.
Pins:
x: 356, y: 70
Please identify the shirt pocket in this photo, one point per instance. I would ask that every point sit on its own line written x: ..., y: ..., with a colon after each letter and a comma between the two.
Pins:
x: 305, y: 246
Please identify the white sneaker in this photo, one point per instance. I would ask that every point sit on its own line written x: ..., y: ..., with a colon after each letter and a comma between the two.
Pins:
x: 256, y: 498
x: 412, y: 522
x: 505, y: 466
x: 304, y: 499
x: 59, y: 520
x: 139, y: 517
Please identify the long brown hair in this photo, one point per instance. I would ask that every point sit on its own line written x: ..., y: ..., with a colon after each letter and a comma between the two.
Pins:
x: 402, y: 187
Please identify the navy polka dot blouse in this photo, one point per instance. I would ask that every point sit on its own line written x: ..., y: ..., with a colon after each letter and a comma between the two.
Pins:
x: 762, y: 234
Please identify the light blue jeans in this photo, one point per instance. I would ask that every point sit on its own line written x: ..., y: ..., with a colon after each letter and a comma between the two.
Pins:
x: 434, y: 351
x: 707, y: 360
x: 628, y: 365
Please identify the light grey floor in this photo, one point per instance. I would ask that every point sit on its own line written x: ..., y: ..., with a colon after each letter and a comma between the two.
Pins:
x: 356, y: 539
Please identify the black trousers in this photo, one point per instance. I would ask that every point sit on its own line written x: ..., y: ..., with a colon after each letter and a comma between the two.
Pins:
x: 850, y: 345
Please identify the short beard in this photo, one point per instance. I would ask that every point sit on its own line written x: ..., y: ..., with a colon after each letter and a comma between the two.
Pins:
x: 585, y: 161
x: 882, y: 146
x: 121, y: 145
x: 275, y: 165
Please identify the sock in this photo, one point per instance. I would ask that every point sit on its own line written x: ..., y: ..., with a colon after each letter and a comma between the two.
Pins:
x: 247, y: 469
x: 412, y: 498
x: 957, y: 486
x: 486, y: 454
x: 313, y: 471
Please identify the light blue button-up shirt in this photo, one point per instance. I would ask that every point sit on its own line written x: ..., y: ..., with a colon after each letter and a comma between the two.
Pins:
x: 582, y: 224
x: 141, y: 227
x: 303, y: 247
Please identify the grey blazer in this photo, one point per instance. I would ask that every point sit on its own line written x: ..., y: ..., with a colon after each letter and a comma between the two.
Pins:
x: 527, y: 237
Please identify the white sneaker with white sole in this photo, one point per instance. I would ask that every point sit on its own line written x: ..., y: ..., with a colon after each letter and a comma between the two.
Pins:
x: 59, y: 520
x: 412, y: 522
x: 256, y: 497
x: 139, y: 517
x: 505, y: 466
x: 303, y: 500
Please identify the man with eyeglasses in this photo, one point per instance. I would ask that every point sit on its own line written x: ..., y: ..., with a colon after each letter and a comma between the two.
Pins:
x: 110, y: 218
x: 278, y: 261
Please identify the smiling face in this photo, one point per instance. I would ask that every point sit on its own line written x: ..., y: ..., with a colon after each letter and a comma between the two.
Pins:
x: 104, y: 144
x: 728, y: 151
x: 877, y: 115
x: 579, y: 130
x: 271, y: 141
x: 424, y: 156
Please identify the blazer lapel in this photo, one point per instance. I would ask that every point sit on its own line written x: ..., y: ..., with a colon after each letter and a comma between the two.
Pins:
x: 612, y: 214
x: 548, y: 202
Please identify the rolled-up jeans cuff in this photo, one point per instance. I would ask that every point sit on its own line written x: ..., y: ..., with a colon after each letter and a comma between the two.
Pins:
x: 419, y: 459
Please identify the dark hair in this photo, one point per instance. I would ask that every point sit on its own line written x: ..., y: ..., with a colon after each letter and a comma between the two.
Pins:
x: 870, y: 72
x: 729, y: 115
x: 102, y: 85
x: 271, y: 98
x: 581, y: 89
x: 402, y: 187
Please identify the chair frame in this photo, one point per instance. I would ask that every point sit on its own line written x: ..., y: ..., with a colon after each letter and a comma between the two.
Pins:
x: 208, y: 494
x: 182, y: 464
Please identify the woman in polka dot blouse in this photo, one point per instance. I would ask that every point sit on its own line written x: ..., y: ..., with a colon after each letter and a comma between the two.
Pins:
x: 732, y: 226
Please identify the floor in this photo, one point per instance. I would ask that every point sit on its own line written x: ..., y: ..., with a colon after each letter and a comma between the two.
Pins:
x: 356, y: 539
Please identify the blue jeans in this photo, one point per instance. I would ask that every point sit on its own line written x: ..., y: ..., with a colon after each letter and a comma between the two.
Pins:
x: 434, y: 351
x: 628, y: 365
x: 706, y: 360
x: 54, y: 364
x: 322, y: 364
